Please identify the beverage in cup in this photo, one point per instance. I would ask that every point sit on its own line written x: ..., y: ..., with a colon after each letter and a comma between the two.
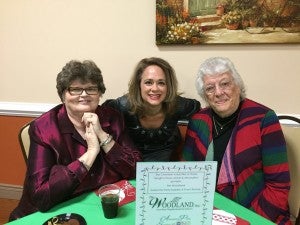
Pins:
x: 109, y: 195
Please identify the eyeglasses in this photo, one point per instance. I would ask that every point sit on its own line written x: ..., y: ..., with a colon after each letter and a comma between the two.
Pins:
x: 223, y: 85
x: 79, y: 91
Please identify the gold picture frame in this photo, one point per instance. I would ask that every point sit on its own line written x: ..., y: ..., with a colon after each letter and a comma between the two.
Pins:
x: 196, y: 22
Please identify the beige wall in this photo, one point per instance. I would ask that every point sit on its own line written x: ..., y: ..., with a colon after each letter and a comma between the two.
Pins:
x: 37, y: 37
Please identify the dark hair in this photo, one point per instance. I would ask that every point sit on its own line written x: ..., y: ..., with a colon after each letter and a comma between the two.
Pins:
x: 86, y: 71
x: 134, y: 91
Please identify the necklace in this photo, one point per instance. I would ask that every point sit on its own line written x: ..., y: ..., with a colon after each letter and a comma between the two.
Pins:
x: 221, y: 125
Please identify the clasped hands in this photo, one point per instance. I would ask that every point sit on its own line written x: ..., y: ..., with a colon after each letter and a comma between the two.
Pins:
x: 94, y: 133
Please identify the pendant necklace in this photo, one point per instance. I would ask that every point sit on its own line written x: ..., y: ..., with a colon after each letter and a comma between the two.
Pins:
x: 215, y: 126
x: 221, y: 125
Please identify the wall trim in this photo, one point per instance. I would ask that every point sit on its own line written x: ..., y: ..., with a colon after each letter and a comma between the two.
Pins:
x: 24, y: 108
x: 11, y: 191
x: 27, y: 109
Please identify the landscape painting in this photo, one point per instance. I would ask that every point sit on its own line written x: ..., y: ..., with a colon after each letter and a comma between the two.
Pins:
x: 196, y: 22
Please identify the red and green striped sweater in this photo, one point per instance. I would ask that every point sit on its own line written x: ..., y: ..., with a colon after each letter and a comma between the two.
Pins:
x: 254, y: 165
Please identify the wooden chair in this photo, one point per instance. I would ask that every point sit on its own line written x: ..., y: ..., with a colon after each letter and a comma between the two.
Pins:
x: 292, y: 136
x: 24, y: 140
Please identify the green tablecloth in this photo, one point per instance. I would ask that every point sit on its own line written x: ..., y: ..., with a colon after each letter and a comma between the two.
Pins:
x: 88, y: 205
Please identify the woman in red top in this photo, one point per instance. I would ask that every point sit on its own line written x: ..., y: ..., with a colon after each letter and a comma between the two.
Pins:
x: 77, y: 146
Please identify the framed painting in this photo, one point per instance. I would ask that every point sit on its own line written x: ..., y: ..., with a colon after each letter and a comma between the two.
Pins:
x: 196, y: 22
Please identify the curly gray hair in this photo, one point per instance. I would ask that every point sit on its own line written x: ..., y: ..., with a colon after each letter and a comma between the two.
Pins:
x: 215, y: 66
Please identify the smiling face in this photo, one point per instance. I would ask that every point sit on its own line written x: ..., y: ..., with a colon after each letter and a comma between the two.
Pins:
x: 77, y: 104
x: 222, y: 94
x: 153, y: 86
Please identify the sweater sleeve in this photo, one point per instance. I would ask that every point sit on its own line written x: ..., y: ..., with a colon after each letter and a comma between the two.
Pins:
x: 187, y: 107
x: 197, y: 138
x: 272, y: 202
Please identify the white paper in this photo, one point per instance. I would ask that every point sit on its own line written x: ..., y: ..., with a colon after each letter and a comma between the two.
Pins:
x: 175, y: 193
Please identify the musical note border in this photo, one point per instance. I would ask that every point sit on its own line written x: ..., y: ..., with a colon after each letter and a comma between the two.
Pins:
x: 203, y: 166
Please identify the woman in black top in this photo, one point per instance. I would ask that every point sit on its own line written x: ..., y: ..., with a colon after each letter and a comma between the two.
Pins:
x: 152, y: 107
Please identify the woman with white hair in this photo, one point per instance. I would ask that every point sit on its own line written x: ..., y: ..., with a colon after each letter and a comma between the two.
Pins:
x: 246, y: 140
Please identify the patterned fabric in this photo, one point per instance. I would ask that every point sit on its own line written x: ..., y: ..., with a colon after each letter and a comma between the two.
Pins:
x: 259, y: 178
x: 55, y: 174
x: 156, y: 144
x: 227, y: 170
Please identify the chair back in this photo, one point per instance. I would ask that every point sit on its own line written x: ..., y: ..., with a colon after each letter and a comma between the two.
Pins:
x: 177, y: 154
x: 292, y: 136
x: 24, y: 140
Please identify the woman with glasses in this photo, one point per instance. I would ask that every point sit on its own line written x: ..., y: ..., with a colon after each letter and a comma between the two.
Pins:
x: 152, y: 108
x: 78, y: 145
x: 244, y: 137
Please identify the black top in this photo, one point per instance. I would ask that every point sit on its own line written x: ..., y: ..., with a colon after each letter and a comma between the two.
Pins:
x: 223, y: 128
x: 156, y: 144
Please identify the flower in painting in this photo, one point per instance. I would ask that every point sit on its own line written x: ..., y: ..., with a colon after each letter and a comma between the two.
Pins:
x: 183, y: 33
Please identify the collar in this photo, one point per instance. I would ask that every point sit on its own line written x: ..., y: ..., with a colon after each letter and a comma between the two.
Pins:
x: 64, y: 123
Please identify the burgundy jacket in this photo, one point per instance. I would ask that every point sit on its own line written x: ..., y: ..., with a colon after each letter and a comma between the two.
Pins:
x: 54, y: 173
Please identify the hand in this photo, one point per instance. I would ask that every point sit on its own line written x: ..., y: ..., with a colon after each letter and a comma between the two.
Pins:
x: 92, y: 119
x: 92, y: 139
x: 93, y: 149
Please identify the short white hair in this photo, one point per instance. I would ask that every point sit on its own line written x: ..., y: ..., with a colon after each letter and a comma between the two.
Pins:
x: 215, y: 66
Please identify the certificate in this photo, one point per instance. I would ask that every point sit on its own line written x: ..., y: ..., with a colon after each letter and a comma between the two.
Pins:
x: 175, y: 193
